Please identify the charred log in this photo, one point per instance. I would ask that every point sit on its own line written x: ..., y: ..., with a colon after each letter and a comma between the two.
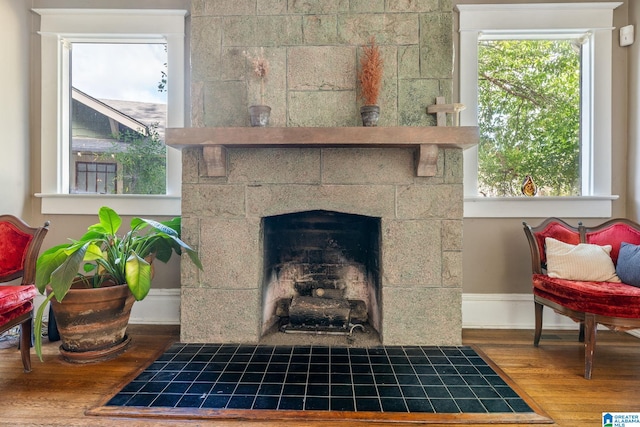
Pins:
x: 311, y: 311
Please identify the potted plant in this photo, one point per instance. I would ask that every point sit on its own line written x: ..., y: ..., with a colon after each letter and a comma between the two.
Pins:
x: 370, y: 78
x: 259, y: 113
x: 102, y: 274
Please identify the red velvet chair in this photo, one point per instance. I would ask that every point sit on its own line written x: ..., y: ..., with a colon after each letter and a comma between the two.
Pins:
x: 19, y: 248
x: 592, y: 303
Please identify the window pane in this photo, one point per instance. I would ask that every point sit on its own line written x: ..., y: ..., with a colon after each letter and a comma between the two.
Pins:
x: 529, y: 116
x: 94, y: 177
x: 118, y: 115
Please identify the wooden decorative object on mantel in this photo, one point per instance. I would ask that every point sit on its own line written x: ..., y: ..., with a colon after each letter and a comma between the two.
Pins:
x: 215, y: 140
x: 440, y: 109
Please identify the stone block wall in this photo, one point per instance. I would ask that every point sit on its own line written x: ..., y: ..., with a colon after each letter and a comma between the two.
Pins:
x: 313, y: 48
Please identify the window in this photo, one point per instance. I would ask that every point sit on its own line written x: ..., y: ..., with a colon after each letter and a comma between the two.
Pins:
x: 529, y: 116
x: 81, y: 127
x: 585, y: 24
x: 117, y: 116
x: 94, y: 177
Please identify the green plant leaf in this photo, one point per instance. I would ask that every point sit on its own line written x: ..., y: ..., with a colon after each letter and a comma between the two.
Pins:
x: 174, y: 223
x: 193, y: 255
x: 62, y: 277
x: 94, y: 232
x: 37, y: 326
x: 93, y: 253
x: 47, y: 263
x: 138, y: 276
x: 160, y: 226
x: 109, y: 220
x: 178, y: 245
x: 163, y: 249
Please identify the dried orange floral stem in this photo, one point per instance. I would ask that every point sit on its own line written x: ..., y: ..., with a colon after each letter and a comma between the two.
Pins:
x: 370, y: 75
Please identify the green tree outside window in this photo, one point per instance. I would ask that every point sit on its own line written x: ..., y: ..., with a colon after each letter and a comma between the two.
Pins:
x: 529, y: 116
x: 143, y: 164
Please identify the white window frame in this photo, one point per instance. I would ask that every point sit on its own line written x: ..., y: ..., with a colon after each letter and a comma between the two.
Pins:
x: 58, y: 28
x: 595, y: 19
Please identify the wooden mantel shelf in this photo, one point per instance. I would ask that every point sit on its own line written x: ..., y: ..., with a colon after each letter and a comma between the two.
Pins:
x: 214, y: 140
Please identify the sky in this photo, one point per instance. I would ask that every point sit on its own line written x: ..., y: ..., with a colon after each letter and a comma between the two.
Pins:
x: 127, y: 72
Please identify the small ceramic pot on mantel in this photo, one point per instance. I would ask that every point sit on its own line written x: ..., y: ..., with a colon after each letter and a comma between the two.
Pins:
x: 259, y: 115
x: 370, y: 115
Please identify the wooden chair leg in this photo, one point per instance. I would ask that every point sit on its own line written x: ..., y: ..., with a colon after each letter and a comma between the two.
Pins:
x: 581, y: 332
x: 25, y: 343
x: 590, y: 343
x: 538, y: 331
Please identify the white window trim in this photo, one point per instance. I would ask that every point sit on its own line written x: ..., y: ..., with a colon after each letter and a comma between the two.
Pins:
x: 596, y: 18
x: 59, y: 26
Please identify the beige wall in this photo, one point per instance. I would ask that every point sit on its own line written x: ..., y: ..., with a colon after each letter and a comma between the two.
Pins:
x: 14, y: 109
x: 496, y: 258
x: 633, y: 179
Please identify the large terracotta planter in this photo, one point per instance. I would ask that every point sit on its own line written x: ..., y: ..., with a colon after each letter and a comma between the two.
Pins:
x: 92, y: 322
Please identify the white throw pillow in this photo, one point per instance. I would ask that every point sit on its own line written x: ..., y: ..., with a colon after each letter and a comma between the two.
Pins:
x: 580, y: 262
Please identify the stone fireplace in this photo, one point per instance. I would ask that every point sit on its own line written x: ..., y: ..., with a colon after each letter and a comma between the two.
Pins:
x: 260, y: 221
x: 316, y: 162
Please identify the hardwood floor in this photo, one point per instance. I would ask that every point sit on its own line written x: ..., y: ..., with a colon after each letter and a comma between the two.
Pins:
x: 56, y: 393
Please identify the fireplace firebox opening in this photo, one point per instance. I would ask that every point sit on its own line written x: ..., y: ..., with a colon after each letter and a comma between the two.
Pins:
x: 321, y: 274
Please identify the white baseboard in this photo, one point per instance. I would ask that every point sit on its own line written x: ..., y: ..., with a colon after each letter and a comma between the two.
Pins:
x: 479, y: 311
x: 507, y: 311
x: 160, y: 307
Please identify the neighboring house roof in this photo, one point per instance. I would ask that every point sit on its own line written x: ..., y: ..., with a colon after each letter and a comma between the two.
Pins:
x: 144, y: 112
x: 137, y: 116
x: 96, y: 145
x: 114, y: 115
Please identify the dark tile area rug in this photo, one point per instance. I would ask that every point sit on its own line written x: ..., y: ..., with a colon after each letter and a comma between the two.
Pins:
x: 393, y: 383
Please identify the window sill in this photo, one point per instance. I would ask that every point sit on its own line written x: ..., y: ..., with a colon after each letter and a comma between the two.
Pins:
x: 538, y: 207
x: 124, y: 204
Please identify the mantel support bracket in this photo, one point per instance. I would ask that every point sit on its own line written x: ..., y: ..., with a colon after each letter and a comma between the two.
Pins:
x: 427, y: 159
x: 215, y: 160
